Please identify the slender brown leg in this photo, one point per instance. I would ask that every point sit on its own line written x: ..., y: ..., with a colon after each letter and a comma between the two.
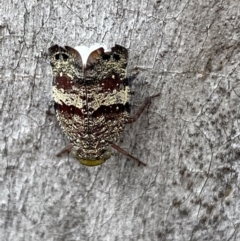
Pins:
x: 67, y: 148
x: 145, y: 104
x: 119, y: 149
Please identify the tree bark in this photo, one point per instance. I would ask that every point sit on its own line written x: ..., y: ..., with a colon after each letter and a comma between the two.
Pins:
x: 188, y: 51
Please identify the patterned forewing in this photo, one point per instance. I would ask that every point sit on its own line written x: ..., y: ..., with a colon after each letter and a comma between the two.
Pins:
x: 68, y: 90
x: 107, y: 94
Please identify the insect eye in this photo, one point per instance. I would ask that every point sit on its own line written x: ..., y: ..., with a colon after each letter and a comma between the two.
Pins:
x: 116, y: 57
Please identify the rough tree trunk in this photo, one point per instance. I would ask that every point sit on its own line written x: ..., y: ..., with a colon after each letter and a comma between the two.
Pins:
x: 189, y: 137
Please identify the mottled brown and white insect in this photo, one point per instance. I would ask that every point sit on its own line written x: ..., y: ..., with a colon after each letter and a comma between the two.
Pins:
x: 91, y: 94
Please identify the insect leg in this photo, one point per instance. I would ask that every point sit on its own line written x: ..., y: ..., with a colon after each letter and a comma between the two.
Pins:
x: 145, y: 104
x: 67, y: 148
x: 119, y: 149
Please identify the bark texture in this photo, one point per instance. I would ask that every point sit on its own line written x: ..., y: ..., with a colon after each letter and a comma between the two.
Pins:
x: 189, y: 137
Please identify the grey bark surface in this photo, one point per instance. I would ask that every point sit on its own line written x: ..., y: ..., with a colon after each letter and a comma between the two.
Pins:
x: 189, y: 137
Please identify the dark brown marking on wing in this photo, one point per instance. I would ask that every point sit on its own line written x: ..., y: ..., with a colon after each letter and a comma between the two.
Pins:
x: 110, y: 112
x: 112, y: 83
x: 63, y: 82
x: 69, y: 110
